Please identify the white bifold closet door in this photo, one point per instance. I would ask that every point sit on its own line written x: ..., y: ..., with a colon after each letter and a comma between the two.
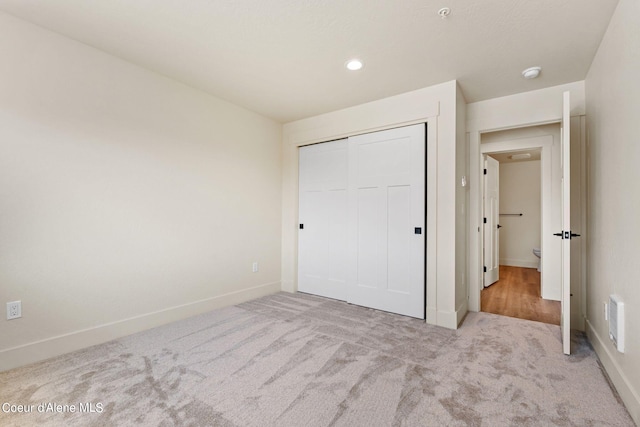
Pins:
x: 363, y: 220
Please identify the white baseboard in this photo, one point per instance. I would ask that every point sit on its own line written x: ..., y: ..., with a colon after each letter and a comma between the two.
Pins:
x: 448, y: 319
x: 461, y: 312
x: 55, y: 346
x: 625, y: 389
x: 432, y: 316
x: 518, y: 263
x: 452, y: 319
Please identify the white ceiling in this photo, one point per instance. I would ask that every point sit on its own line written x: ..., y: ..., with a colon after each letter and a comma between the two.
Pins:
x: 285, y: 58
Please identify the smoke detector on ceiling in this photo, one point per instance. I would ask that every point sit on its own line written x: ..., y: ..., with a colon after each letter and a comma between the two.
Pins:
x: 531, y: 73
x: 444, y: 12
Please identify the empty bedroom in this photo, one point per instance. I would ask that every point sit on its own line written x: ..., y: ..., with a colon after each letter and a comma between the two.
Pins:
x: 245, y: 213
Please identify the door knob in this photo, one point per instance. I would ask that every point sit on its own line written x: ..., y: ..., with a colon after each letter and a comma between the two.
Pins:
x: 499, y: 226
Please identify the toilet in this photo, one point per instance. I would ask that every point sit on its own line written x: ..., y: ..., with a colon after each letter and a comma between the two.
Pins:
x: 536, y: 252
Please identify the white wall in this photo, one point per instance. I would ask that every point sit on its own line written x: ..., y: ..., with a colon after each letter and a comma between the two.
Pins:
x: 436, y: 105
x: 613, y: 111
x: 520, y: 193
x: 126, y: 199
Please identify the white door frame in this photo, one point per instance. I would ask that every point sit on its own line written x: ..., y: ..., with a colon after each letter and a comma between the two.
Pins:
x: 545, y: 144
x: 476, y: 152
x: 538, y: 107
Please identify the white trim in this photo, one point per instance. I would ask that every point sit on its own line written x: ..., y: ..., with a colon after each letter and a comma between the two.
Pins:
x: 621, y: 382
x: 532, y: 108
x: 448, y: 319
x: 583, y: 223
x: 431, y: 226
x: 518, y: 263
x: 452, y: 319
x: 461, y: 312
x: 61, y: 344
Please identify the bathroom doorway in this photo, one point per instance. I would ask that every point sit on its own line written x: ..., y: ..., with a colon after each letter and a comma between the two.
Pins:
x: 517, y: 294
x: 528, y: 204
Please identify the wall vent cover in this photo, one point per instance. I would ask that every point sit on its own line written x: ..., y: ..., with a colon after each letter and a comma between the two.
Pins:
x: 616, y: 322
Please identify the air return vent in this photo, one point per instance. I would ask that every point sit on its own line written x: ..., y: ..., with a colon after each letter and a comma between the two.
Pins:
x: 616, y: 322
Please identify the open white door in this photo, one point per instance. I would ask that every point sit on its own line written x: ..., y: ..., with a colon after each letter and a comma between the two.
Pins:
x: 566, y: 234
x: 491, y: 226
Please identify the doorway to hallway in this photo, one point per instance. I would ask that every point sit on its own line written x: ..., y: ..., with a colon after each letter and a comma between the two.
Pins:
x: 517, y: 294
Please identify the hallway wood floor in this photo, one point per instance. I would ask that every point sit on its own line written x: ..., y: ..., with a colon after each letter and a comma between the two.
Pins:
x: 517, y: 294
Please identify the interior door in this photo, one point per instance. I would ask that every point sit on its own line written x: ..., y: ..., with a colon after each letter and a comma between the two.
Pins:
x: 566, y: 234
x: 387, y: 220
x: 491, y: 226
x: 322, y: 234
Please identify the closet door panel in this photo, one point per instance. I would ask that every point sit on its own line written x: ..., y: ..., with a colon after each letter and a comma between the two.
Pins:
x: 370, y: 244
x: 386, y: 220
x: 337, y: 239
x: 399, y: 241
x: 322, y: 260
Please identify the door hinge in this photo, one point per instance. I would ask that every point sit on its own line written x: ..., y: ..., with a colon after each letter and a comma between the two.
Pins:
x: 484, y: 269
x: 484, y: 172
x: 484, y: 220
x: 301, y: 226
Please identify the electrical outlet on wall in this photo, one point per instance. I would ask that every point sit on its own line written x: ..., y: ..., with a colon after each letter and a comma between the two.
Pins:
x: 14, y: 310
x: 254, y: 268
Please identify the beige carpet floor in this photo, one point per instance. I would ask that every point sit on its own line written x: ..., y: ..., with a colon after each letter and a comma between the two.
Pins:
x: 299, y: 360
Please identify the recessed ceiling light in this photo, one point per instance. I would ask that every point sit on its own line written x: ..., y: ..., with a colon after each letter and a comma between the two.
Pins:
x: 354, y: 64
x: 520, y: 156
x: 531, y: 73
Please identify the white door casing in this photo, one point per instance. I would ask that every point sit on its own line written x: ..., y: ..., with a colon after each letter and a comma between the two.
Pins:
x: 566, y: 234
x: 491, y: 215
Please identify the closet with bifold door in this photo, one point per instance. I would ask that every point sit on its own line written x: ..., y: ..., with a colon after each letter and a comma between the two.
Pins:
x: 361, y: 236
